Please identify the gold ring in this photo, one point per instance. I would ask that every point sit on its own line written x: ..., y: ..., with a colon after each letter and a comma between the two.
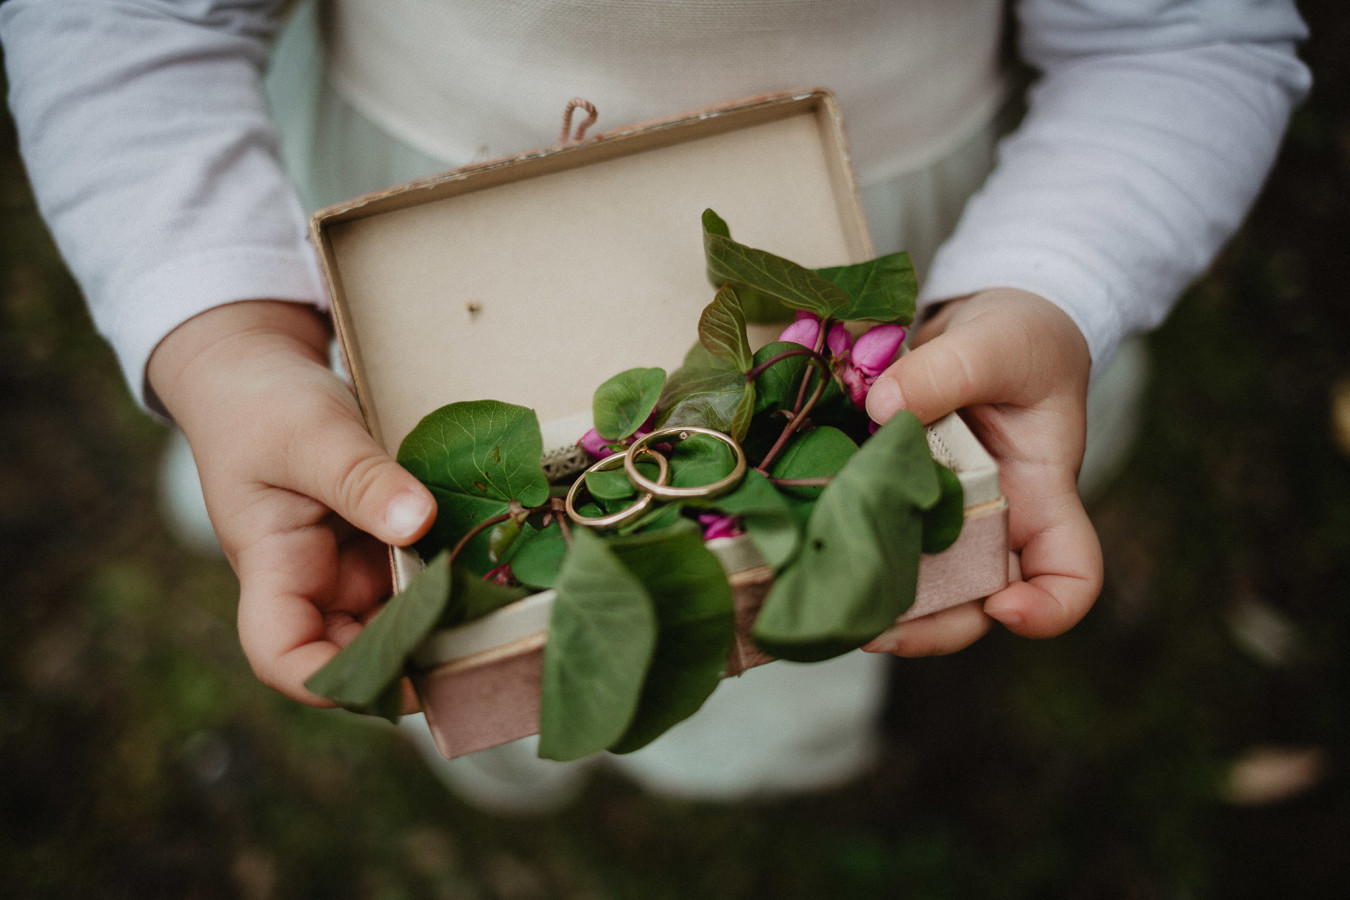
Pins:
x: 623, y: 515
x: 660, y: 490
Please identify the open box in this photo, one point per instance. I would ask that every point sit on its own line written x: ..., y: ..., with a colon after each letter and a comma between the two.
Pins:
x: 487, y: 283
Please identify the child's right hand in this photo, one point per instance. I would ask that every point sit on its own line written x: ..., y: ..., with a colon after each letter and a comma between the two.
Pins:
x: 1017, y: 368
x: 301, y: 497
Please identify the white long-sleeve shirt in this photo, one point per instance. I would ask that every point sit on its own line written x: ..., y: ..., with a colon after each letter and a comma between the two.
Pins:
x: 1150, y: 130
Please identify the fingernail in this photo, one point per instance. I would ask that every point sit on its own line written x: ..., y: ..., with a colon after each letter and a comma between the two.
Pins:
x: 1008, y: 618
x: 884, y: 399
x: 406, y: 513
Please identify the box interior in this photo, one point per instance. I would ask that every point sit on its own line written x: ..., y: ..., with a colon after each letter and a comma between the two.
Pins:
x: 533, y: 279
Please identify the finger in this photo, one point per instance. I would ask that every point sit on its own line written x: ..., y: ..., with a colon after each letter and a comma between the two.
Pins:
x: 365, y: 572
x: 935, y: 634
x: 287, y: 635
x: 335, y: 460
x: 283, y: 632
x: 411, y: 702
x: 299, y: 603
x: 941, y: 376
x: 1061, y: 563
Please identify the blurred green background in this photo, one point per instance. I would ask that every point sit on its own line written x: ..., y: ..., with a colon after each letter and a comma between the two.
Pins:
x: 1188, y: 740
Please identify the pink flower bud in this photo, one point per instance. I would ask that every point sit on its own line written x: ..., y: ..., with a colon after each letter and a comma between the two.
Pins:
x: 501, y: 575
x: 857, y: 383
x: 804, y: 331
x: 839, y: 340
x: 716, y: 525
x: 876, y: 349
x: 595, y: 445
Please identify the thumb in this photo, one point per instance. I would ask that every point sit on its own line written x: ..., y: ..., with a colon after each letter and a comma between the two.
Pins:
x: 940, y: 376
x: 348, y: 472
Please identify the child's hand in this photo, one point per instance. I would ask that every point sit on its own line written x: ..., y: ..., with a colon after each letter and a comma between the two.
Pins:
x: 1017, y: 367
x: 300, y: 495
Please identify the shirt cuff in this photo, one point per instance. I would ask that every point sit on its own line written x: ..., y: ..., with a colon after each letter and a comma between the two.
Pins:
x: 165, y: 298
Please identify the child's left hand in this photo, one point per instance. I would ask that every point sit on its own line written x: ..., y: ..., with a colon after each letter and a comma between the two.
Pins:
x: 1017, y: 368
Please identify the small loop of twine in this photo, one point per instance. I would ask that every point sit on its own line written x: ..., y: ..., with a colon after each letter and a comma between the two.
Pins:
x: 569, y: 137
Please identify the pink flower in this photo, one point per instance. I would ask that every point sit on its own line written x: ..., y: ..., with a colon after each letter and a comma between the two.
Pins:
x: 857, y: 363
x: 598, y: 447
x: 876, y: 349
x: 501, y: 575
x: 595, y: 445
x: 857, y: 383
x: 805, y: 330
x: 716, y: 525
x: 872, y: 353
x: 839, y: 340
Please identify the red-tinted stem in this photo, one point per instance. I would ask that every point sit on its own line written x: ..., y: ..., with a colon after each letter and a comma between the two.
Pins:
x: 798, y: 416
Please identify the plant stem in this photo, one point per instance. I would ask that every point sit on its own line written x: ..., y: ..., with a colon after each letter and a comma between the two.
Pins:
x: 798, y: 416
x: 819, y: 481
x: 820, y: 352
x: 558, y: 507
x: 758, y: 370
x: 486, y: 524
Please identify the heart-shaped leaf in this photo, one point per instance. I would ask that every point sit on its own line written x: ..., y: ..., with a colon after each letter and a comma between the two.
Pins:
x: 859, y: 561
x: 623, y: 403
x: 767, y: 515
x: 820, y: 453
x: 698, y: 460
x: 793, y: 285
x: 717, y: 398
x: 360, y: 676
x: 881, y: 289
x: 942, y: 523
x: 602, y: 634
x: 475, y: 457
x: 694, y: 608
x: 721, y: 328
x: 538, y: 556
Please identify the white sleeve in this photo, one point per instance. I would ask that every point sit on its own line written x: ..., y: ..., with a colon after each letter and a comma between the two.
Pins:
x: 146, y: 136
x: 1148, y: 135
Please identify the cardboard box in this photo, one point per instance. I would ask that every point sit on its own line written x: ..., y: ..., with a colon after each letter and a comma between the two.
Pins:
x: 487, y: 283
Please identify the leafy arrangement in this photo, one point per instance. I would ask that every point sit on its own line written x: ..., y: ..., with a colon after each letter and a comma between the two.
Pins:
x: 643, y: 619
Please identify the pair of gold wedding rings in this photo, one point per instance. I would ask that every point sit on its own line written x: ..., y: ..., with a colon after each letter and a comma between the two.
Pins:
x: 659, y: 489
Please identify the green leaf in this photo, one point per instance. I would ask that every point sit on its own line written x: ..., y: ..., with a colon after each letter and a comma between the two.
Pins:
x: 698, y: 460
x: 602, y: 634
x: 900, y: 455
x: 472, y: 598
x: 365, y: 675
x: 721, y: 328
x: 623, y: 403
x: 475, y: 457
x: 858, y: 565
x: 819, y: 453
x: 662, y: 515
x: 695, y: 609
x: 758, y: 307
x: 715, y: 224
x: 942, y: 523
x: 717, y: 398
x: 539, y: 556
x: 791, y: 284
x: 614, y: 484
x: 776, y: 387
x: 698, y: 357
x: 768, y: 518
x: 761, y: 308
x: 882, y: 289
